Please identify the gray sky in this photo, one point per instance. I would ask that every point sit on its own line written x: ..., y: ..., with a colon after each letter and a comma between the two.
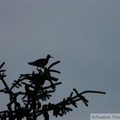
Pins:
x: 83, y: 34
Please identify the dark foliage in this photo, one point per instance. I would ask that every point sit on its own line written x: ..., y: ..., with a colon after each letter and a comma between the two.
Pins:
x: 34, y: 92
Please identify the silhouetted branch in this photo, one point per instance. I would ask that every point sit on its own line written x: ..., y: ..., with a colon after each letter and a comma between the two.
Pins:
x: 2, y: 65
x: 53, y: 64
x: 62, y: 108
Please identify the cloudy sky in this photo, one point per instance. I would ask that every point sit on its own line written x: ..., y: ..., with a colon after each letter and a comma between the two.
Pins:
x: 83, y: 34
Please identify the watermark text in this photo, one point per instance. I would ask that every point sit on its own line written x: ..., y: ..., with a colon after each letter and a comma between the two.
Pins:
x: 108, y: 116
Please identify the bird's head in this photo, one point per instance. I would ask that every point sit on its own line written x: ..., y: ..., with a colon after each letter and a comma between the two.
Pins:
x: 49, y: 56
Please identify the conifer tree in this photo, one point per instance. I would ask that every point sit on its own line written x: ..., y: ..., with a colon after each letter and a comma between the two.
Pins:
x: 31, y: 89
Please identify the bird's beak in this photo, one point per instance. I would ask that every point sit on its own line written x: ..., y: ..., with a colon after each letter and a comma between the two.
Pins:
x: 52, y: 57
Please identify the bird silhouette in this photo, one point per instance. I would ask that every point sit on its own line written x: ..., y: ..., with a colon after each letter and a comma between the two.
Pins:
x: 41, y: 62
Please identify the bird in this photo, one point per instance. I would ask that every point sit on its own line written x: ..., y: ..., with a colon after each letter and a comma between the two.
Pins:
x: 41, y: 62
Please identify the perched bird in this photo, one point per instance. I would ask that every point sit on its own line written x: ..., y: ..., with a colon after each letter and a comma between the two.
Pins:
x: 41, y: 62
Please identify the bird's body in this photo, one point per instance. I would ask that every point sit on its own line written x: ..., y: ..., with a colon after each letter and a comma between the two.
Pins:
x: 40, y: 62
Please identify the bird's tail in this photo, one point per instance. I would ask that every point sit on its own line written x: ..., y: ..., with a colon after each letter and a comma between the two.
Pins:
x: 30, y: 63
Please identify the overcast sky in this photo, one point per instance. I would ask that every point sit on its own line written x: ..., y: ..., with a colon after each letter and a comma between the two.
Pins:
x: 83, y: 34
